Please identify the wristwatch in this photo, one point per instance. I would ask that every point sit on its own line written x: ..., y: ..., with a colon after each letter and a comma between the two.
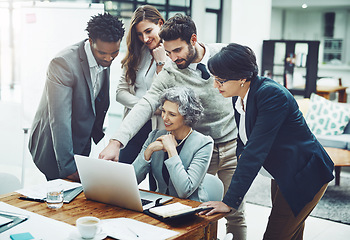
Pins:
x: 160, y: 63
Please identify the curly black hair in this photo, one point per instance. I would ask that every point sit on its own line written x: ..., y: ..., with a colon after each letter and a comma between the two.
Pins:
x: 105, y: 27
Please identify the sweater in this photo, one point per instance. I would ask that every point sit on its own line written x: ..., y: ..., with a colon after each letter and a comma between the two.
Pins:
x: 218, y: 120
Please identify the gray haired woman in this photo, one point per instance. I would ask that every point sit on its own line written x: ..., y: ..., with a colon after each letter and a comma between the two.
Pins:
x: 178, y: 156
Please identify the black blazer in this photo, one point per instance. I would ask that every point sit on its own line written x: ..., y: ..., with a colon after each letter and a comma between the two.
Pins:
x: 280, y: 140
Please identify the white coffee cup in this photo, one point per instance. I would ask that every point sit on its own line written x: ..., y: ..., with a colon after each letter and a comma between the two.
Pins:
x: 88, y: 226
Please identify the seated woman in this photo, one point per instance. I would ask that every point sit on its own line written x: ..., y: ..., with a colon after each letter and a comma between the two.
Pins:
x: 178, y: 156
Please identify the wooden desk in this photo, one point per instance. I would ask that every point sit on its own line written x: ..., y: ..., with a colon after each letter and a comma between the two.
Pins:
x: 325, y: 92
x: 196, y: 227
x: 341, y: 158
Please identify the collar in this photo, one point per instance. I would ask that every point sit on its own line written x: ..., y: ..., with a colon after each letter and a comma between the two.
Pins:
x: 239, y: 106
x: 91, y: 59
x: 204, y: 60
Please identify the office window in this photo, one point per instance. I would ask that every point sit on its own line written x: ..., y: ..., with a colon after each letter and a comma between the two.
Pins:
x: 168, y: 8
x: 213, y: 4
x: 211, y: 23
x: 182, y: 3
x: 156, y: 2
x: 213, y: 19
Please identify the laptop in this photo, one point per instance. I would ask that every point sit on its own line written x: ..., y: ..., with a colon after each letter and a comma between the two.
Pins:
x: 114, y: 183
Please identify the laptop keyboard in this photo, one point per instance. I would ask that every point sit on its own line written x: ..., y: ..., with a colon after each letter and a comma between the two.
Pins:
x: 145, y: 202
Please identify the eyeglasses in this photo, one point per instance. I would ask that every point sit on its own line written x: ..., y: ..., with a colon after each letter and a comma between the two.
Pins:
x: 221, y: 81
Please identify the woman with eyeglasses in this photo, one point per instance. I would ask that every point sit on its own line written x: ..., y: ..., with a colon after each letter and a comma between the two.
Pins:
x: 178, y: 156
x: 273, y: 138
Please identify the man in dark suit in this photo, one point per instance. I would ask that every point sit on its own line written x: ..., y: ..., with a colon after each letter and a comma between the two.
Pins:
x: 75, y: 99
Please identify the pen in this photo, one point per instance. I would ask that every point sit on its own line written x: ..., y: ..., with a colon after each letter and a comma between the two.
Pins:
x: 31, y: 199
x: 133, y: 232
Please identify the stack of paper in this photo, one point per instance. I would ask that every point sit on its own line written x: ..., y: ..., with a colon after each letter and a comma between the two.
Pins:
x: 39, y: 226
x: 128, y: 229
x: 38, y: 192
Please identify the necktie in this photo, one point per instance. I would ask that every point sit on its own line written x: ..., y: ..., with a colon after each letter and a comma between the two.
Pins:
x: 201, y: 67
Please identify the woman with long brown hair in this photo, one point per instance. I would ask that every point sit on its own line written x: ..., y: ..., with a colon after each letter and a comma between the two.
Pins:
x: 144, y: 59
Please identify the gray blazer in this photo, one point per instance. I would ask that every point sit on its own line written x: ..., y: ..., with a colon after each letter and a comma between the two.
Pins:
x: 186, y: 170
x: 68, y: 115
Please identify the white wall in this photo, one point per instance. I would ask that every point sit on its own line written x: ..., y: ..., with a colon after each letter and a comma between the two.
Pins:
x: 198, y: 11
x: 250, y: 23
x: 276, y: 23
x: 46, y: 29
x: 242, y: 23
x: 298, y: 25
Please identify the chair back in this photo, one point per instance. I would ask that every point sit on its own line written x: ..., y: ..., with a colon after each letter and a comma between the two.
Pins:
x: 214, y: 187
x: 9, y: 183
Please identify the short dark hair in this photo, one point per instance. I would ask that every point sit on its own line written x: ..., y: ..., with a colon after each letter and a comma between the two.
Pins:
x: 190, y: 106
x: 178, y: 26
x: 105, y: 27
x: 234, y: 62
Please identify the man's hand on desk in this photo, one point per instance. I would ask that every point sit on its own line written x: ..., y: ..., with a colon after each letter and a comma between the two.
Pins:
x: 111, y: 152
x: 218, y: 207
x: 74, y: 177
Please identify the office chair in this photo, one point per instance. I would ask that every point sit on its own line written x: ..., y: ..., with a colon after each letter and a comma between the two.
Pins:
x: 214, y: 187
x: 9, y: 183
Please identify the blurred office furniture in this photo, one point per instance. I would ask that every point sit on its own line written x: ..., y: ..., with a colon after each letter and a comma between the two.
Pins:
x: 294, y: 64
x: 337, y: 146
x: 328, y: 87
x: 341, y: 158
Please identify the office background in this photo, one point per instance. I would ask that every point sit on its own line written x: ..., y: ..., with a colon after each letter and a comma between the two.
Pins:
x: 32, y: 32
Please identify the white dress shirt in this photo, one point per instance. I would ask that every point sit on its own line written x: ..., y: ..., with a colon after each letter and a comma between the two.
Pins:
x: 193, y: 66
x: 241, y: 109
x: 96, y: 71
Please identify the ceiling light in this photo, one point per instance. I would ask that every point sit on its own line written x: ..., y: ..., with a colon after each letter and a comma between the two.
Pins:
x: 304, y: 5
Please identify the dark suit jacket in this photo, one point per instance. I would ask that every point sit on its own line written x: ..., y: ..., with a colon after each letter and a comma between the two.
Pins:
x: 280, y: 140
x: 68, y: 115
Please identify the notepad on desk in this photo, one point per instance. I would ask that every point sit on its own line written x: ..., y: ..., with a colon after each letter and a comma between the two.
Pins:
x: 174, y: 210
x: 38, y: 192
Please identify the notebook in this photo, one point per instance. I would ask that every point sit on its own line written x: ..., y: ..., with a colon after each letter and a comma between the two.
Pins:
x: 114, y: 183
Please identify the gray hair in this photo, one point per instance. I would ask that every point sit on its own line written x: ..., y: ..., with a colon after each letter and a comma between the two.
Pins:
x: 190, y: 106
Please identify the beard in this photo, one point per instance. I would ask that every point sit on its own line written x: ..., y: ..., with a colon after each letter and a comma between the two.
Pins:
x: 183, y: 63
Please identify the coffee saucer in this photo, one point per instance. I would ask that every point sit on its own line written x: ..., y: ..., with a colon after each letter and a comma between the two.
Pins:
x: 75, y: 235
